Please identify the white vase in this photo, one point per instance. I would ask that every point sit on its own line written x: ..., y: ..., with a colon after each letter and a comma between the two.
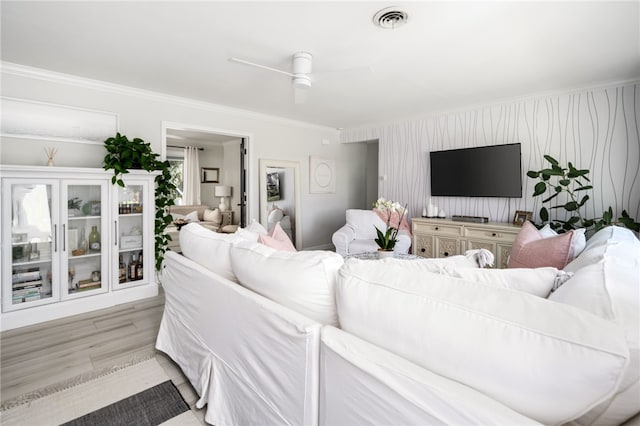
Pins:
x: 382, y: 254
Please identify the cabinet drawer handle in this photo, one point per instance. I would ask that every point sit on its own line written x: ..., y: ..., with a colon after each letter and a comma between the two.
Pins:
x: 446, y: 253
x: 423, y: 249
x: 64, y: 237
x: 437, y: 228
x: 494, y: 234
x: 55, y: 238
x: 115, y: 240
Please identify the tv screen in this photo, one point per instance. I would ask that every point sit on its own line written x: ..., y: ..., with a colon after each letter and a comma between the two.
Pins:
x: 486, y: 171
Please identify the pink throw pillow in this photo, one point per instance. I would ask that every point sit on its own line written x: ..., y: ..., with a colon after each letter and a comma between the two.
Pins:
x: 532, y: 250
x: 278, y: 239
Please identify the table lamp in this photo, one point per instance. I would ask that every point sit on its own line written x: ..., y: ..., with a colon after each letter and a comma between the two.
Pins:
x: 222, y: 192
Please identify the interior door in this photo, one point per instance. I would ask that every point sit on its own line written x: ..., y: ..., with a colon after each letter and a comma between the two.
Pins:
x: 243, y: 184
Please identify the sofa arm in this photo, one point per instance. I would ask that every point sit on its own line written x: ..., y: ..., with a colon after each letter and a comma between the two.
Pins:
x: 342, y: 238
x: 403, y: 243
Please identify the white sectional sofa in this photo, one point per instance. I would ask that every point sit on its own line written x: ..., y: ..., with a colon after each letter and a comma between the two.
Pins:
x: 273, y: 337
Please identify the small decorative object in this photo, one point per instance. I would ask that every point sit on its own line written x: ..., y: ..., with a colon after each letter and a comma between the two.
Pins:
x: 95, y: 276
x: 223, y: 192
x: 388, y: 209
x: 424, y: 212
x: 442, y: 214
x: 73, y: 206
x: 179, y: 223
x: 51, y: 153
x: 83, y: 245
x: 94, y: 239
x: 72, y: 274
x: 432, y: 210
x: 521, y: 217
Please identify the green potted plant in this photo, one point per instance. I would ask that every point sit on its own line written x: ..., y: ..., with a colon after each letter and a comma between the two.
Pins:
x: 124, y: 155
x: 556, y: 182
x: 386, y: 241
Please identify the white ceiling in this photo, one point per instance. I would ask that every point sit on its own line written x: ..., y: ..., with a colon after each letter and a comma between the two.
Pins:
x: 449, y: 55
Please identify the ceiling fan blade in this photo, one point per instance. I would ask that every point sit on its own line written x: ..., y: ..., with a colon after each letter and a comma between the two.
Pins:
x: 253, y: 64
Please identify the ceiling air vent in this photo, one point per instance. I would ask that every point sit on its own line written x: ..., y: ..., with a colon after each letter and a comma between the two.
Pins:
x: 390, y: 17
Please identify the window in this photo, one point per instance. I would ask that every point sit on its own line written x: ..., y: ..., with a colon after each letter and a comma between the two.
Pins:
x: 177, y: 171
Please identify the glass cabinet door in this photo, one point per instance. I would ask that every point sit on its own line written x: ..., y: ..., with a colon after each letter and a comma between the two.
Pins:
x: 30, y: 222
x: 130, y: 267
x: 85, y: 238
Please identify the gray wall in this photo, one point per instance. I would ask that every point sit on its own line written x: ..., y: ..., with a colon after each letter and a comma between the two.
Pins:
x: 596, y: 129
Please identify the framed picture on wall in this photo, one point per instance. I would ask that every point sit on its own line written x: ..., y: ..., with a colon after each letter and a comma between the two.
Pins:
x: 273, y: 186
x: 521, y: 217
x: 209, y: 175
x: 322, y: 175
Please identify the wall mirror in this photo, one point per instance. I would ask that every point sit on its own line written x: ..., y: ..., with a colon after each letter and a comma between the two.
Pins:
x: 280, y: 197
x: 209, y: 175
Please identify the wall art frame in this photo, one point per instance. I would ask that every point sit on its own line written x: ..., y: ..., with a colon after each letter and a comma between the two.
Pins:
x: 322, y: 175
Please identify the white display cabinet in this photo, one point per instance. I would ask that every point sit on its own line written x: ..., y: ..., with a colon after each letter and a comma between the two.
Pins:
x: 64, y: 231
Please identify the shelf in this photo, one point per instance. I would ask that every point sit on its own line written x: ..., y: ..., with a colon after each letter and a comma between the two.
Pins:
x: 130, y: 214
x: 130, y: 249
x: 32, y: 262
x: 82, y: 256
x: 83, y: 217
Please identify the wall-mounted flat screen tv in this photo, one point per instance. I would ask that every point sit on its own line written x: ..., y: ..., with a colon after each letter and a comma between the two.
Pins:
x: 485, y: 171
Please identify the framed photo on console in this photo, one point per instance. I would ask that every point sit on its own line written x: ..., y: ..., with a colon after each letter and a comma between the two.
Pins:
x: 521, y: 217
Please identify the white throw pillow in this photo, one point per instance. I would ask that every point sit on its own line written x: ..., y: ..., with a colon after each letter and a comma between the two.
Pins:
x: 547, y: 361
x: 191, y: 217
x: 303, y: 281
x: 606, y: 282
x: 578, y: 242
x: 536, y: 281
x: 214, y: 216
x: 209, y: 249
x: 252, y: 231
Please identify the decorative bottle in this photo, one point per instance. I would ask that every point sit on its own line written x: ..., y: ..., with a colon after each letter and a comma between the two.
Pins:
x: 94, y: 239
x: 122, y: 271
x: 133, y: 268
x: 139, y: 268
x: 82, y: 242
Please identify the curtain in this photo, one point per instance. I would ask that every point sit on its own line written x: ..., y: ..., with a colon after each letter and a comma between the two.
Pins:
x: 191, y: 178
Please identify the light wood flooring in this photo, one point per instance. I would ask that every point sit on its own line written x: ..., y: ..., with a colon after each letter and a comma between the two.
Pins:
x: 42, y: 355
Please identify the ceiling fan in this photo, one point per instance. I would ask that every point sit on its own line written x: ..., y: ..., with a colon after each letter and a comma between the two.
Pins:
x: 301, y: 67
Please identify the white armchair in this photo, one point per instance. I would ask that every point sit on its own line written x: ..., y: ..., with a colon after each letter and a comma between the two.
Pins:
x: 359, y: 233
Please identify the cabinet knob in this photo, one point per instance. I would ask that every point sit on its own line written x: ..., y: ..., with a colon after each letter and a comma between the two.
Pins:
x: 446, y: 253
x: 437, y: 228
x: 493, y: 234
x: 423, y: 250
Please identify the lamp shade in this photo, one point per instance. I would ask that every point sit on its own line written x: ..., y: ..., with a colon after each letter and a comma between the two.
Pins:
x: 222, y: 191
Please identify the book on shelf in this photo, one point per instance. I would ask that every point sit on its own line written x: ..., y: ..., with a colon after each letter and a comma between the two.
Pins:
x: 31, y: 274
x: 88, y: 284
x: 27, y: 284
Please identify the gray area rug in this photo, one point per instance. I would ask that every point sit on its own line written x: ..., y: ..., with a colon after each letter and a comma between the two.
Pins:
x: 137, y: 393
x: 147, y: 408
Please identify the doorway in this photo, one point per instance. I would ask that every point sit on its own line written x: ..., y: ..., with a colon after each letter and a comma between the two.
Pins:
x: 222, y: 159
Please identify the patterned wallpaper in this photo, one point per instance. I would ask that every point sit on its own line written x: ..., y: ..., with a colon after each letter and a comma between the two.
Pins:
x: 597, y: 129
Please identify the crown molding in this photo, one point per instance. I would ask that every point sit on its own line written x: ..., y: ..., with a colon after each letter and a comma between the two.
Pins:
x: 346, y: 134
x: 10, y: 68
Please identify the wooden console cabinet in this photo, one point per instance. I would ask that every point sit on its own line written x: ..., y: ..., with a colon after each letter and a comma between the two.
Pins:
x: 444, y: 237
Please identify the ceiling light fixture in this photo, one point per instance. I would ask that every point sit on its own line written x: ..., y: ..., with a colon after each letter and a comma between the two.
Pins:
x: 390, y: 18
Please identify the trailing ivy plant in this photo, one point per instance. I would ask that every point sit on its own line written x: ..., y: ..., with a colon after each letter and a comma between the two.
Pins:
x: 570, y: 182
x: 124, y: 155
